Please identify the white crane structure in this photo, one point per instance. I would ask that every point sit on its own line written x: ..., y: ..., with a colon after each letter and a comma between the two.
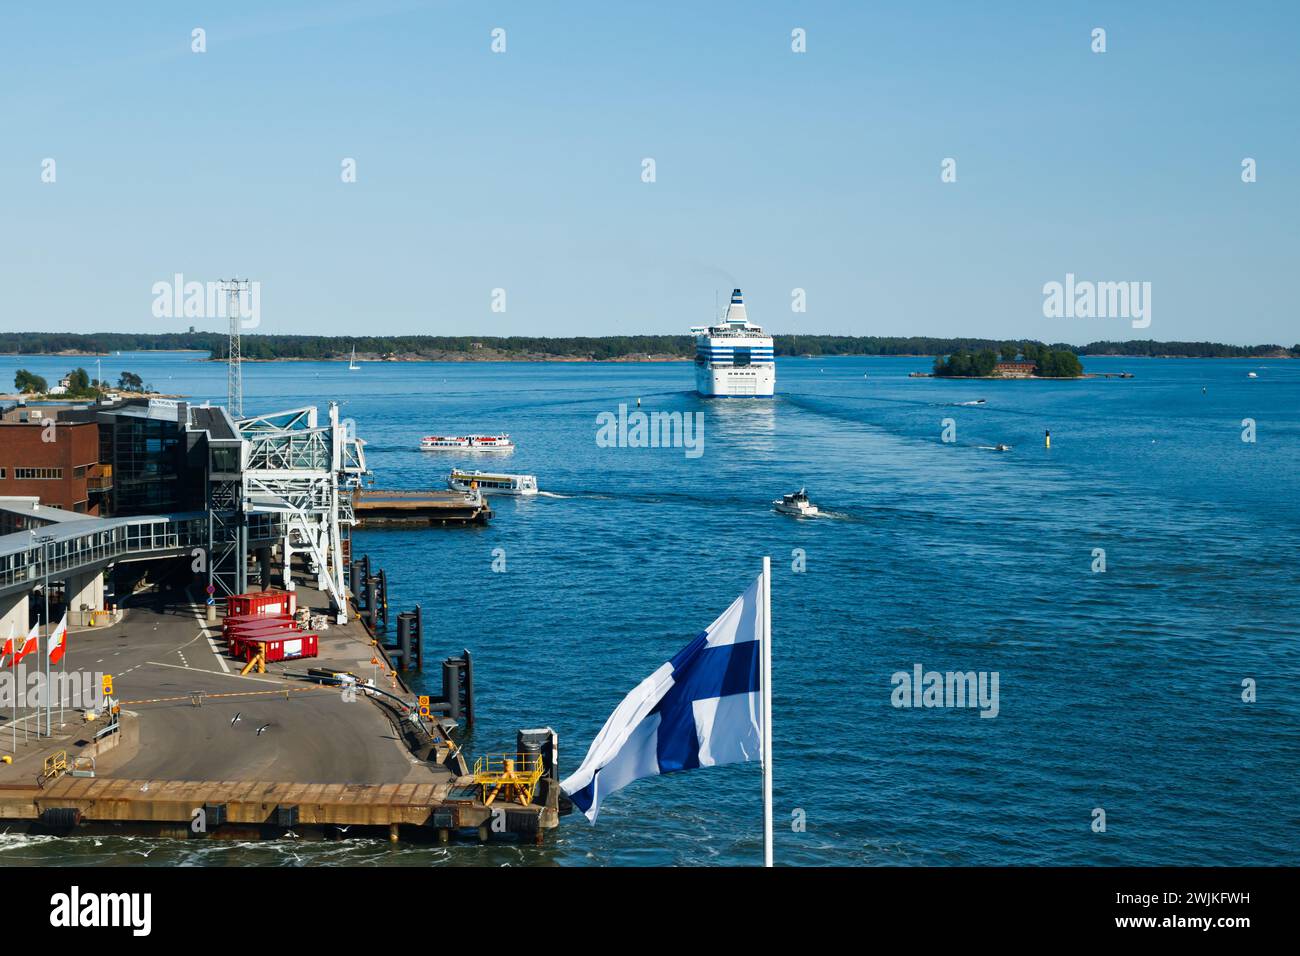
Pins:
x: 294, y: 489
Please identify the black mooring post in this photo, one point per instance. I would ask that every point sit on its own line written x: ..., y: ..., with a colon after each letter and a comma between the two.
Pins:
x: 382, y: 599
x: 404, y: 627
x: 419, y: 639
x: 468, y: 681
x: 372, y: 602
x: 451, y: 676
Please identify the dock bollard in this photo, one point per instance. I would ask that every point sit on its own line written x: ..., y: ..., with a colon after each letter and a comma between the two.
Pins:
x: 451, y: 673
x: 405, y: 629
x: 469, y: 689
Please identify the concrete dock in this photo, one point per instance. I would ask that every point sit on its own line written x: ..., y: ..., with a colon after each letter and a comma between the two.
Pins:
x: 262, y: 754
x: 376, y: 508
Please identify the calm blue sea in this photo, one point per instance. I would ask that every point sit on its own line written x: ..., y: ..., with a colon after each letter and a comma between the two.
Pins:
x: 1119, y: 690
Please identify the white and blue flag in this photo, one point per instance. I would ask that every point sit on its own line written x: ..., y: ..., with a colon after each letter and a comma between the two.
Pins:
x: 701, y: 709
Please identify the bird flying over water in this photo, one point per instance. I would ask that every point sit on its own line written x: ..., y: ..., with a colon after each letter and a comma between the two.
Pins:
x: 262, y: 728
x: 235, y: 718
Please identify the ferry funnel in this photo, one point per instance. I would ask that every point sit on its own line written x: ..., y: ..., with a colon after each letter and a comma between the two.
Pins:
x: 736, y: 309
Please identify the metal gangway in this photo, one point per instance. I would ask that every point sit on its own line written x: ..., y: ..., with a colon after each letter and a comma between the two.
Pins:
x: 67, y: 547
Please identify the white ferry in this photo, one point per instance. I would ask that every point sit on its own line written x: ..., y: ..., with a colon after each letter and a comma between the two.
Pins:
x: 734, y: 359
x: 490, y: 483
x: 439, y: 442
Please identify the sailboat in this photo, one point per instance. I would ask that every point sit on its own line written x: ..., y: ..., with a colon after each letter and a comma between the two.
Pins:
x: 352, y: 362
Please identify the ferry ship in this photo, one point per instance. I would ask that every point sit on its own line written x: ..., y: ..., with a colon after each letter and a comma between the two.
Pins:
x: 734, y: 359
x: 439, y: 442
x: 489, y: 483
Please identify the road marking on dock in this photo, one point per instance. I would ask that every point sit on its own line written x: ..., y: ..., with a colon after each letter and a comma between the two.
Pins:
x: 238, y: 693
x: 221, y: 658
x: 202, y: 670
x: 199, y: 616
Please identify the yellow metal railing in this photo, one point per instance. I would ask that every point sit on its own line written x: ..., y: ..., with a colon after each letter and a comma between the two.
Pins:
x: 56, y: 764
x: 510, y: 776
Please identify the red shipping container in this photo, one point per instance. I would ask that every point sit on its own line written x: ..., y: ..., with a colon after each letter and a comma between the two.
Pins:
x: 253, y: 618
x: 265, y: 624
x: 262, y: 603
x: 243, y: 633
x: 281, y: 648
x: 238, y: 637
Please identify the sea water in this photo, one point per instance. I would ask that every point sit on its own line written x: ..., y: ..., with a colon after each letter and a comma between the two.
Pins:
x: 1119, y: 690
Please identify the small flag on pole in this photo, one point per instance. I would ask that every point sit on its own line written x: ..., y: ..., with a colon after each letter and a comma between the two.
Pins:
x: 8, y: 648
x: 701, y: 709
x: 58, y: 641
x: 29, y: 645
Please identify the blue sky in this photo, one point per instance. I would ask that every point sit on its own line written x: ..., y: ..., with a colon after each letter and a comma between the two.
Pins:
x: 775, y: 170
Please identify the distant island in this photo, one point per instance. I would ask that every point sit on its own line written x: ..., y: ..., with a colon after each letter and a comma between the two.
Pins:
x: 77, y: 385
x: 609, y: 348
x: 1011, y: 360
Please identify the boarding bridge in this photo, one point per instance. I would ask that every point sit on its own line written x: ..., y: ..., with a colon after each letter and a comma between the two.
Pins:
x: 75, y: 551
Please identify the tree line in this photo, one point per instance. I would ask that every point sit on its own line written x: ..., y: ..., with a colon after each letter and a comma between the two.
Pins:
x: 80, y: 384
x: 323, y: 347
x: 1050, y: 362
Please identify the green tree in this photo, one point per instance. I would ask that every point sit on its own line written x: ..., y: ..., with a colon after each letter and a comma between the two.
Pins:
x: 30, y: 383
x: 1059, y: 363
x: 78, y: 381
x: 130, y: 382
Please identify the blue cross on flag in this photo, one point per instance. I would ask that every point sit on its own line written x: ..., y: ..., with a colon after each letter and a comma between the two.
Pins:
x: 700, y: 709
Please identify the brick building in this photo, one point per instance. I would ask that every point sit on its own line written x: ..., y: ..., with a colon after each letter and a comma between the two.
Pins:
x: 55, y: 461
x: 1015, y: 369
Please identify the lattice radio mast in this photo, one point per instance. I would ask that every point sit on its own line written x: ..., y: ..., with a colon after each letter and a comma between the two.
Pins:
x: 234, y: 288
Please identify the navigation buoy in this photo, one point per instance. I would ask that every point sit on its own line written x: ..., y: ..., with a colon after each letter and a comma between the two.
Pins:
x: 1048, y: 438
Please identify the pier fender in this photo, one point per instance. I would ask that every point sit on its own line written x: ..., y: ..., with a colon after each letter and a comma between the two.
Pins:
x: 285, y: 817
x: 445, y: 818
x: 61, y: 818
x: 523, y: 822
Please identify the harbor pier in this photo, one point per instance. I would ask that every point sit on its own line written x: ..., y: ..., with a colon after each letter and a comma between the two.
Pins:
x: 197, y: 750
x: 299, y: 725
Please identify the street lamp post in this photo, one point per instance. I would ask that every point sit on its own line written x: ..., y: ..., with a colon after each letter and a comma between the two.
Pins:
x: 44, y: 542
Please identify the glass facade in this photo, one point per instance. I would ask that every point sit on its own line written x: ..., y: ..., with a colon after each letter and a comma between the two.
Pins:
x: 148, y: 459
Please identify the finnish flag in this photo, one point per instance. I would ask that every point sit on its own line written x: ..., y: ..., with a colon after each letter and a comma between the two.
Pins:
x: 701, y: 709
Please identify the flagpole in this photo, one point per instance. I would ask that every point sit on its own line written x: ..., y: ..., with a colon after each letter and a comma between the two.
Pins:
x: 766, y: 654
x: 49, y: 725
x: 13, y: 653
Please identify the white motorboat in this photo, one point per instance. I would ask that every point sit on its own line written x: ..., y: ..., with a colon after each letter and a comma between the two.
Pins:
x: 796, y: 504
x: 490, y: 483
